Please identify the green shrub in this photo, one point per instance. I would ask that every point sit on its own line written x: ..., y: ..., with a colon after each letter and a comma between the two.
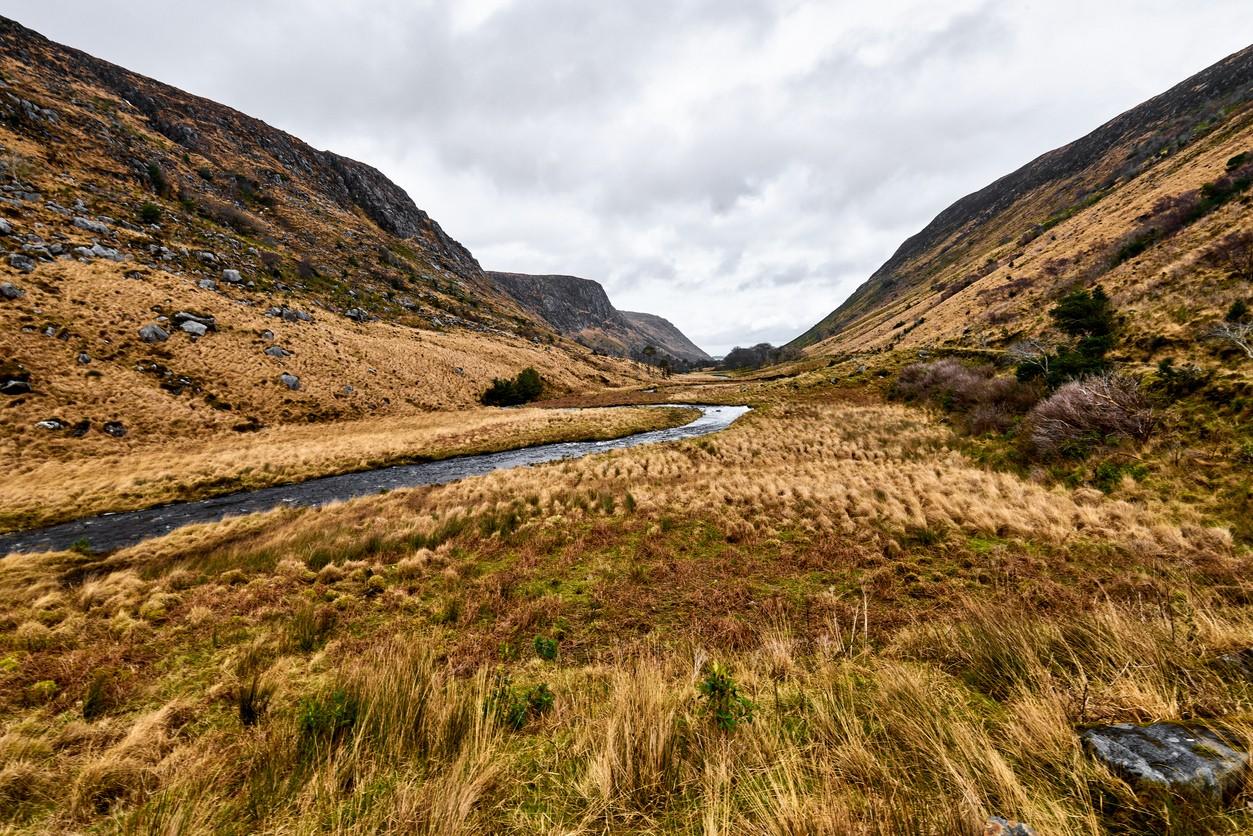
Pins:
x: 524, y: 388
x: 513, y: 705
x: 545, y: 648
x: 1238, y: 311
x: 150, y: 213
x: 722, y: 699
x: 325, y: 719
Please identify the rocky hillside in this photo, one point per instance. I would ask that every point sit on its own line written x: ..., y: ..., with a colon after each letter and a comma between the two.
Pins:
x: 1144, y: 205
x: 579, y: 308
x: 173, y: 266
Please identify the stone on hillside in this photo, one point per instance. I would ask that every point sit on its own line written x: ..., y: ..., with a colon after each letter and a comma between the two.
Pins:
x: 21, y: 262
x: 83, y: 358
x: 153, y: 333
x: 106, y: 252
x: 277, y: 351
x: 357, y: 315
x: 1169, y: 757
x: 84, y: 252
x: 289, y: 380
x: 232, y: 277
x: 196, y: 329
x: 208, y: 284
x: 266, y: 334
x: 8, y: 290
x: 80, y: 429
x: 91, y: 226
x: 14, y: 380
x: 51, y: 424
x: 998, y: 826
x: 183, y: 317
x: 114, y: 428
x: 5, y: 227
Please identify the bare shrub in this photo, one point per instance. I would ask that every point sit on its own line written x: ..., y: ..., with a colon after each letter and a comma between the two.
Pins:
x: 1090, y: 411
x: 1234, y: 253
x: 985, y: 402
x: 1239, y: 334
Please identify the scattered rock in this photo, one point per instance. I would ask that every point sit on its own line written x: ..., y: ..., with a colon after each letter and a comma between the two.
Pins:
x: 114, y: 428
x: 1169, y: 757
x: 21, y: 262
x: 232, y: 277
x: 357, y: 315
x: 289, y: 380
x: 8, y: 290
x: 277, y: 351
x: 90, y: 225
x: 106, y: 252
x: 83, y: 358
x: 51, y: 424
x: 84, y: 252
x: 267, y: 335
x: 289, y: 314
x: 206, y: 321
x: 208, y: 284
x: 80, y: 429
x: 153, y: 333
x: 998, y: 826
x: 208, y: 258
x: 5, y: 227
x: 196, y: 329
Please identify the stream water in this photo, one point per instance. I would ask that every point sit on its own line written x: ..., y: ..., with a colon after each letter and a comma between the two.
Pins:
x: 118, y: 530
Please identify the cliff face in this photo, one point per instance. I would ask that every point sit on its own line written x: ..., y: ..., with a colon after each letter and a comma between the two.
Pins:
x: 581, y: 309
x: 1049, y: 223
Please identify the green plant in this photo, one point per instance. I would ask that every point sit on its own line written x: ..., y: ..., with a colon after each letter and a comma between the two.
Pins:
x: 1238, y: 311
x: 325, y: 719
x: 524, y: 388
x: 722, y: 699
x: 150, y: 213
x: 82, y: 546
x: 545, y: 648
x: 308, y: 626
x: 1087, y: 317
x: 513, y: 705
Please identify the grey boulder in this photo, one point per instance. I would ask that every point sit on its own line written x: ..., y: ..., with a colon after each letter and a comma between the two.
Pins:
x: 91, y: 226
x: 51, y: 424
x: 8, y: 290
x: 232, y: 277
x: 5, y: 227
x: 196, y: 329
x: 1169, y: 757
x: 289, y: 380
x: 21, y: 262
x: 277, y: 351
x: 153, y: 333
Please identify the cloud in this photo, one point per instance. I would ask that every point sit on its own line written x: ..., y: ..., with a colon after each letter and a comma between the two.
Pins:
x: 738, y: 167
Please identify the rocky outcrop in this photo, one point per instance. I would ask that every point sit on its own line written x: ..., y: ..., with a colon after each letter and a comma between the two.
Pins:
x: 581, y: 309
x: 1190, y: 761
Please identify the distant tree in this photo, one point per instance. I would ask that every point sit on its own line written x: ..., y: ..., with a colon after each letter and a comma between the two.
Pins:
x: 524, y: 388
x: 1234, y: 253
x: 755, y: 357
x: 1237, y: 312
x: 1036, y: 354
x: 1087, y: 318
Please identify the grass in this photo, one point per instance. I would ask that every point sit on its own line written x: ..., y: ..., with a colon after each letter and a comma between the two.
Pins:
x: 915, y: 639
x: 40, y: 493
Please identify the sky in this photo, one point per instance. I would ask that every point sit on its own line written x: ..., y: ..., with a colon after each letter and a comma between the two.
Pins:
x: 737, y: 166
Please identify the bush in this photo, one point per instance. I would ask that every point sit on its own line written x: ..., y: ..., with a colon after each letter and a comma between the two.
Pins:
x: 986, y: 402
x: 546, y: 648
x: 324, y: 720
x: 1089, y: 412
x: 150, y: 213
x: 524, y: 388
x: 513, y: 705
x: 722, y: 698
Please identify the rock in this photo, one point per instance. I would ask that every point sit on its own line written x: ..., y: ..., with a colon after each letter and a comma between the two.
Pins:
x: 84, y: 252
x: 267, y: 335
x: 1169, y: 757
x: 5, y: 227
x: 208, y: 284
x: 106, y: 252
x: 232, y: 277
x: 83, y: 358
x: 181, y: 319
x: 90, y: 225
x: 80, y: 429
x: 208, y: 258
x: 8, y: 290
x: 153, y: 333
x: 14, y: 380
x: 196, y: 329
x: 114, y: 428
x: 51, y: 424
x: 21, y: 262
x: 357, y: 315
x: 277, y: 351
x: 998, y: 826
x: 289, y: 380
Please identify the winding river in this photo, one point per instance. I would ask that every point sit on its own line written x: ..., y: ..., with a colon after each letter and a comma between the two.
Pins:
x: 107, y: 532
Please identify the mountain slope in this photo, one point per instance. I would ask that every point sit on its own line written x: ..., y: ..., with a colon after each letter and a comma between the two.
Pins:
x: 581, y: 309
x: 283, y: 283
x: 984, y: 269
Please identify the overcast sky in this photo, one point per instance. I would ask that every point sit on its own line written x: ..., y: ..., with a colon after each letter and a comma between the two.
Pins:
x: 737, y: 166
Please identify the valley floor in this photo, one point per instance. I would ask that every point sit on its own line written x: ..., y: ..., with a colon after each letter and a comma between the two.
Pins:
x: 825, y: 619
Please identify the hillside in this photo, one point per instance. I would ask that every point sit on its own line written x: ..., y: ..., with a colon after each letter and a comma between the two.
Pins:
x: 1128, y: 205
x: 175, y: 267
x: 580, y: 308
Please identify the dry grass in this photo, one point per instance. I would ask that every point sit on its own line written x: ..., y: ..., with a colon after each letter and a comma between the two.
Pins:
x: 37, y: 492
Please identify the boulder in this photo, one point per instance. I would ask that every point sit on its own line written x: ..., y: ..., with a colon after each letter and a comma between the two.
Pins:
x: 182, y: 318
x: 207, y: 284
x: 998, y: 826
x: 106, y: 252
x: 289, y: 380
x: 83, y: 358
x: 1172, y: 758
x: 357, y: 315
x: 114, y: 428
x: 21, y: 262
x: 153, y: 333
x: 232, y: 277
x: 5, y: 227
x: 196, y: 329
x: 277, y: 351
x: 51, y: 424
x: 91, y: 226
x: 8, y: 290
x: 84, y: 252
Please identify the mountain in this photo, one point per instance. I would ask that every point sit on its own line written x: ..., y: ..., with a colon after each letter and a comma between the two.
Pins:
x: 1140, y: 205
x: 580, y: 308
x: 173, y: 266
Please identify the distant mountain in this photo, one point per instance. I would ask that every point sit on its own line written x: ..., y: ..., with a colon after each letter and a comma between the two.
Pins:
x: 1135, y: 205
x: 579, y: 308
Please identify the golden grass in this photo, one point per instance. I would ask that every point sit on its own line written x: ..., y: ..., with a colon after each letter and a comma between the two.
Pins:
x: 36, y: 493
